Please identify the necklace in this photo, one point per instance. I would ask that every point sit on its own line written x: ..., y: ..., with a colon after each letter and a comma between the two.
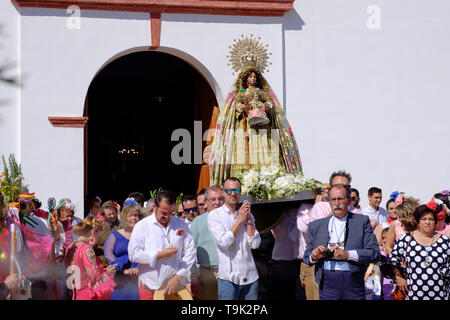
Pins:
x: 427, y: 249
x: 338, y: 236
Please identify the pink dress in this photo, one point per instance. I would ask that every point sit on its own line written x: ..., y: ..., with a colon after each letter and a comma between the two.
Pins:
x: 444, y: 229
x: 399, y: 230
x: 94, y: 285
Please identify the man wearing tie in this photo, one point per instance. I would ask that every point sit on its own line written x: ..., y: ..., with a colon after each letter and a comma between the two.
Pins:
x: 341, y: 246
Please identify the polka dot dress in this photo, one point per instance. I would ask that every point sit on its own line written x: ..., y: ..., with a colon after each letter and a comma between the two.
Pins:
x: 424, y: 282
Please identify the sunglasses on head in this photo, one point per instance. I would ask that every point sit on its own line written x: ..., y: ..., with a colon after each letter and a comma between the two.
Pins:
x: 193, y: 209
x: 230, y: 190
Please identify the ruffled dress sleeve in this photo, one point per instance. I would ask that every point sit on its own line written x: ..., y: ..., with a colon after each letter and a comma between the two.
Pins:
x: 444, y: 269
x: 398, y: 255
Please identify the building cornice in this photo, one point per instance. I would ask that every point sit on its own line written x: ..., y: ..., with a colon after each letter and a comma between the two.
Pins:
x: 77, y: 122
x: 267, y: 8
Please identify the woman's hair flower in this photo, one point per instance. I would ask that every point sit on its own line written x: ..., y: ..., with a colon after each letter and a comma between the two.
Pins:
x: 394, y: 195
x: 441, y: 215
x: 432, y: 205
x: 445, y: 192
x: 129, y: 202
x: 399, y: 199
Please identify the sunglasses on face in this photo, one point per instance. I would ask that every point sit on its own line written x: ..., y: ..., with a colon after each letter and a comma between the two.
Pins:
x: 193, y: 209
x: 230, y: 190
x: 354, y: 198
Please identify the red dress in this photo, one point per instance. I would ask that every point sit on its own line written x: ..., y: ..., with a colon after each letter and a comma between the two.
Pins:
x: 94, y: 282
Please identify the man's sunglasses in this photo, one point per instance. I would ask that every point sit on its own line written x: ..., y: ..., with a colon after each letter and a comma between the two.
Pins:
x: 230, y: 190
x: 193, y: 209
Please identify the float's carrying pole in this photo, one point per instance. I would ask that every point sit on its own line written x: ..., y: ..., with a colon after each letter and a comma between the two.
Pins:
x: 12, y: 254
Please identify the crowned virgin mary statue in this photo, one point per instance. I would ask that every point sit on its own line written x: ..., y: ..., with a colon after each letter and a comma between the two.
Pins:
x: 252, y: 131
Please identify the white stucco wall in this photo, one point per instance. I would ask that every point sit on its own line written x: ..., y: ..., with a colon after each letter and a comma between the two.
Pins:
x: 372, y: 102
x: 60, y: 63
x: 9, y: 94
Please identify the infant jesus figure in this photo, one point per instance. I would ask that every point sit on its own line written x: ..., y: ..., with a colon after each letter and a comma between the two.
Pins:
x: 257, y: 115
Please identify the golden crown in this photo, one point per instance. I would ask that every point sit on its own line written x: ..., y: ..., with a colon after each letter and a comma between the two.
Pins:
x: 248, y: 52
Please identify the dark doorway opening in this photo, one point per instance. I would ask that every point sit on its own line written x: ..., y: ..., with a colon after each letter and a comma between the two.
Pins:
x: 134, y: 104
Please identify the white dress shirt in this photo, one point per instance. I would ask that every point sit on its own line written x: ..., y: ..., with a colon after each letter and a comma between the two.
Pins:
x: 379, y: 216
x: 149, y: 237
x: 236, y: 262
x: 336, y: 231
x: 188, y: 222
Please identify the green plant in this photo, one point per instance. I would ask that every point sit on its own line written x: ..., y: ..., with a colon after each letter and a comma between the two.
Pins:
x: 153, y: 193
x: 11, y: 184
x: 177, y: 203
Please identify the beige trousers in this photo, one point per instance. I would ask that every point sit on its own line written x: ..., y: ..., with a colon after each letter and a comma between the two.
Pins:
x: 308, y: 282
x: 208, y: 280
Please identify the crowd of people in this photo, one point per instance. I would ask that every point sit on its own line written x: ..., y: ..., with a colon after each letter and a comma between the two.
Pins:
x: 208, y: 248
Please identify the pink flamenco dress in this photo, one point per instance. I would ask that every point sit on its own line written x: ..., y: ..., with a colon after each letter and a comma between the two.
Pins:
x: 95, y: 282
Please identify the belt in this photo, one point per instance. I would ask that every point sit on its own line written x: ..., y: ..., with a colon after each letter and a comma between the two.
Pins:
x: 215, y: 269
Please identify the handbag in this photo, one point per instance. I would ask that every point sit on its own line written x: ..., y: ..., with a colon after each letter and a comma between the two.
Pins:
x: 398, y: 294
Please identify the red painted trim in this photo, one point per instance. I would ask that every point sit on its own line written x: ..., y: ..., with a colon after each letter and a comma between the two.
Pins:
x: 68, y: 121
x: 265, y: 8
x: 155, y: 30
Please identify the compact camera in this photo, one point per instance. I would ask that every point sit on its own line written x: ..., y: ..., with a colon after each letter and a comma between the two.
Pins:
x: 329, y: 254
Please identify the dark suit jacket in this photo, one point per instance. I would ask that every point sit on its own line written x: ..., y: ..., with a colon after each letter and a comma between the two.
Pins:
x: 359, y: 236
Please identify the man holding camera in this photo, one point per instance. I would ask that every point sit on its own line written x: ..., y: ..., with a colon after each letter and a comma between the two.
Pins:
x: 234, y: 233
x: 341, y: 247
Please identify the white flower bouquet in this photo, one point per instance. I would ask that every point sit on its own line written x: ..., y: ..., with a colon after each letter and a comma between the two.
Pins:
x: 274, y: 182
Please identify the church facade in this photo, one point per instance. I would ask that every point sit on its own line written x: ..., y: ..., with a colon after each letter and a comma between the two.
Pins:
x: 363, y: 83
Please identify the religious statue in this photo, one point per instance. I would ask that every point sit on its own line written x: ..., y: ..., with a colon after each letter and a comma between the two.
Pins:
x: 252, y: 130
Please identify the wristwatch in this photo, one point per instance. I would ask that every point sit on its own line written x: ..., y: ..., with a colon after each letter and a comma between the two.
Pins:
x: 251, y: 223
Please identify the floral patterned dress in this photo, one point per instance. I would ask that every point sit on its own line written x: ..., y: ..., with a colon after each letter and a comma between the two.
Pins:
x: 238, y: 147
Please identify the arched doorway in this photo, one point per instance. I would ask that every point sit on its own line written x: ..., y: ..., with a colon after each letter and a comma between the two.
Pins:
x: 134, y: 104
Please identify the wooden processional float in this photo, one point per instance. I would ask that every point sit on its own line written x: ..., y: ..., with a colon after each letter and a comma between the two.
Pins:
x: 269, y: 213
